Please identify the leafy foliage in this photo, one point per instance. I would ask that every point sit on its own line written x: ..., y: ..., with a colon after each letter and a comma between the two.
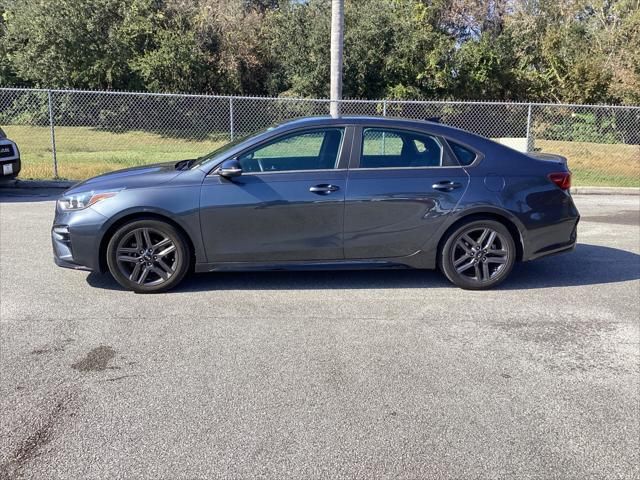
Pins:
x: 577, y: 51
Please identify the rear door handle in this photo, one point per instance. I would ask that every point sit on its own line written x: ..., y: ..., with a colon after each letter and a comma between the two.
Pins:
x: 324, y: 189
x: 446, y: 185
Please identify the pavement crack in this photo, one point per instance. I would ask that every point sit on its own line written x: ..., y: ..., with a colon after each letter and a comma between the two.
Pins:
x: 46, y: 349
x: 31, y: 446
x: 115, y: 379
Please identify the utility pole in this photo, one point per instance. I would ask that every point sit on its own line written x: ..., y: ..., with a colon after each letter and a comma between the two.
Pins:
x: 337, y: 38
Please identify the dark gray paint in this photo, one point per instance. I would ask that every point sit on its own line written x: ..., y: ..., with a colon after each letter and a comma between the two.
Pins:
x: 377, y: 217
x: 272, y: 217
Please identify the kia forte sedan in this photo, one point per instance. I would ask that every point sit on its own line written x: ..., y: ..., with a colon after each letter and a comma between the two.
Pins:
x: 338, y: 193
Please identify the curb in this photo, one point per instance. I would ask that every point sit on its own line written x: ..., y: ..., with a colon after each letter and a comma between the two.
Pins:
x: 605, y: 190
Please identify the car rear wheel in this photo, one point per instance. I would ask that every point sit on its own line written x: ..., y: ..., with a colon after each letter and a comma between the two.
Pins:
x: 478, y: 255
x: 148, y: 256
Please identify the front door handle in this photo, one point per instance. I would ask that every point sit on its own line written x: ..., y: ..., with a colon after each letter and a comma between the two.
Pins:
x: 324, y: 189
x: 446, y: 185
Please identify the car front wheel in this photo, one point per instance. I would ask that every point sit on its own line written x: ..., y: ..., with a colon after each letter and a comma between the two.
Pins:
x: 478, y: 255
x: 148, y: 256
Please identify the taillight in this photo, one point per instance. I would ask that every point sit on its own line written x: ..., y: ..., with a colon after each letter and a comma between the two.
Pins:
x: 561, y: 179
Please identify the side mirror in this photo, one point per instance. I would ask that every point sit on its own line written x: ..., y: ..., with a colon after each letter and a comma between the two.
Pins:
x: 230, y: 169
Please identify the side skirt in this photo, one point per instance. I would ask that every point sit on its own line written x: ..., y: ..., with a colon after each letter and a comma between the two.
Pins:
x: 417, y: 260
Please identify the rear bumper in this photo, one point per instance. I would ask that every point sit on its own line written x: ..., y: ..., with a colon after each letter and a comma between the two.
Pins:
x: 552, y: 240
x: 10, y: 168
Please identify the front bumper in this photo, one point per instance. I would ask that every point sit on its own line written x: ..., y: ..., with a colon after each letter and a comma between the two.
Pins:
x: 76, y: 237
x: 66, y: 264
x: 62, y: 248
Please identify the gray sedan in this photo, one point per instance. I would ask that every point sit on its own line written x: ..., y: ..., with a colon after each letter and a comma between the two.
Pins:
x: 324, y: 193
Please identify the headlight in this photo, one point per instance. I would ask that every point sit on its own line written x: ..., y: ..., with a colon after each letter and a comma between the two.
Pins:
x: 78, y: 201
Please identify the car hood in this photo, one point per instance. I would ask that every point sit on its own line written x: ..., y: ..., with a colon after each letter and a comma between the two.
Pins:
x: 136, y: 177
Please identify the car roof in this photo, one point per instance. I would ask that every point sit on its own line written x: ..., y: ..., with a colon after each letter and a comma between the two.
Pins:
x: 432, y: 127
x: 355, y: 120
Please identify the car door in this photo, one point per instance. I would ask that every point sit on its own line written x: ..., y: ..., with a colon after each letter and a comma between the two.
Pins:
x: 287, y: 205
x: 401, y: 186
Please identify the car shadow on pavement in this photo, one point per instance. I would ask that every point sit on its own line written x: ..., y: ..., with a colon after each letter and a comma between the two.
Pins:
x: 16, y: 195
x: 587, y: 265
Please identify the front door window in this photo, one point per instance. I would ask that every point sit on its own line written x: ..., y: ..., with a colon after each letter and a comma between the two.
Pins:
x: 309, y: 150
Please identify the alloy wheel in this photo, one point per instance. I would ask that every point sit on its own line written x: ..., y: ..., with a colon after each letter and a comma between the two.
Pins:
x: 480, y: 254
x: 147, y: 256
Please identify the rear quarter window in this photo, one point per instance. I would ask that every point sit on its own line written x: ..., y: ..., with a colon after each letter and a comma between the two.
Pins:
x: 465, y: 156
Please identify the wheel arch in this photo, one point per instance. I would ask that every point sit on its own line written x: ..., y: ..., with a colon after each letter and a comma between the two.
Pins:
x: 504, y: 219
x: 135, y: 216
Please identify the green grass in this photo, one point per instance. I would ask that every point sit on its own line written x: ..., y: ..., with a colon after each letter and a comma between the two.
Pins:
x: 598, y: 164
x: 84, y: 152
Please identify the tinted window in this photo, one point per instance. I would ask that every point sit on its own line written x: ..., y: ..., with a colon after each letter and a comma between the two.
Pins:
x: 464, y: 155
x: 382, y: 148
x: 311, y: 150
x: 381, y: 142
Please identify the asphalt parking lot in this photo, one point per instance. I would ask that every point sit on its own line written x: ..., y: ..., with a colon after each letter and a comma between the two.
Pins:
x: 322, y: 374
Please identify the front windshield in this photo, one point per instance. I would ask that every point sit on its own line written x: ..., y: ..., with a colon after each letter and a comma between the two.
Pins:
x: 226, y: 147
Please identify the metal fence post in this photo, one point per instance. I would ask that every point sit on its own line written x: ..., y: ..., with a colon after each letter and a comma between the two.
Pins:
x: 529, y: 137
x: 53, y: 136
x: 231, y: 118
x: 384, y: 139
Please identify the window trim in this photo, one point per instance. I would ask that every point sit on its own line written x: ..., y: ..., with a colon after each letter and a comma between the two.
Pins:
x: 357, y: 144
x: 341, y: 160
x: 434, y: 137
x: 274, y: 172
x: 476, y: 160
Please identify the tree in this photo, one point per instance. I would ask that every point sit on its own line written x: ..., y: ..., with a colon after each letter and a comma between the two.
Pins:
x: 389, y: 47
x: 69, y: 43
x: 7, y: 73
x: 545, y: 50
x: 202, y: 45
x: 623, y: 34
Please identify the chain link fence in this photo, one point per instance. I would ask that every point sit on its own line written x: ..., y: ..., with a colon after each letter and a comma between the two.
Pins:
x: 78, y: 134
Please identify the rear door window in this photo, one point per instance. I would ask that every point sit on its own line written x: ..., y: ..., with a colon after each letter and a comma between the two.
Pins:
x: 387, y: 148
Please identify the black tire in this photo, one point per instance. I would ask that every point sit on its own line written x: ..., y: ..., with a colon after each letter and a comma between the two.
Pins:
x: 148, y: 245
x: 474, y: 266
